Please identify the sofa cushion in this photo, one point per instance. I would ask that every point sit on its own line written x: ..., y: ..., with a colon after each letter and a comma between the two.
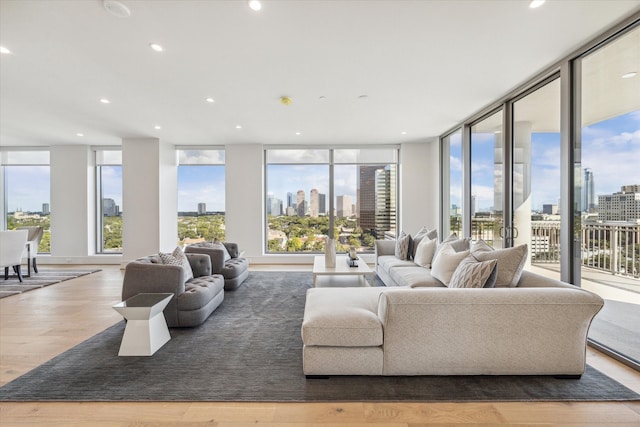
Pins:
x: 510, y: 261
x: 234, y: 267
x: 387, y: 262
x: 414, y: 277
x: 343, y: 317
x: 177, y: 257
x: 424, y: 252
x: 416, y: 239
x: 471, y: 273
x: 403, y: 244
x: 445, y: 263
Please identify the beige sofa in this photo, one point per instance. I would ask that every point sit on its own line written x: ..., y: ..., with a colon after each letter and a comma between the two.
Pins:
x: 539, y: 327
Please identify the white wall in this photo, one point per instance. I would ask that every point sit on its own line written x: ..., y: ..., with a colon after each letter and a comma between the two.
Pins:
x: 72, y: 204
x: 149, y: 198
x: 419, y: 186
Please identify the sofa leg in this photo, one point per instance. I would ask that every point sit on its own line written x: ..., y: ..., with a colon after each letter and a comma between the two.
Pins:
x: 567, y: 377
x: 317, y: 377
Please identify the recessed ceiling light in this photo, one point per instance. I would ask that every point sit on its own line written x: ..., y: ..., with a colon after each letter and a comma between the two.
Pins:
x: 79, y: 134
x: 105, y: 101
x: 4, y: 50
x: 322, y: 98
x: 238, y: 127
x: 535, y: 3
x: 629, y: 75
x: 297, y: 133
x: 157, y: 47
x: 210, y: 100
x: 157, y: 127
x: 116, y: 8
x: 404, y: 132
x: 255, y: 5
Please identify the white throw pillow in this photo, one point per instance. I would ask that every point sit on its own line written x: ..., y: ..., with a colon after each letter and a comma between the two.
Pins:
x: 425, y: 252
x: 473, y: 274
x: 177, y: 257
x: 445, y: 263
x: 510, y: 261
x: 416, y: 239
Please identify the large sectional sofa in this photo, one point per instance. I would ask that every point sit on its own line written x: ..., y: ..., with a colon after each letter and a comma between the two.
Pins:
x: 416, y: 325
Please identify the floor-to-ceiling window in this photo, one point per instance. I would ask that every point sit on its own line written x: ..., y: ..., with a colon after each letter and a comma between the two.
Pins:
x: 610, y: 190
x: 487, y: 158
x: 201, y: 195
x: 452, y: 168
x: 26, y: 191
x: 536, y: 175
x: 315, y: 193
x: 109, y: 200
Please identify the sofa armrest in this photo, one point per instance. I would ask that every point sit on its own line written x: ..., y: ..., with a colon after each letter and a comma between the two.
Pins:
x: 200, y: 264
x: 384, y: 247
x: 146, y: 277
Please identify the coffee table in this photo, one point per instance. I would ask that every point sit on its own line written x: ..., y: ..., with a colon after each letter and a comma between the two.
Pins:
x: 146, y: 329
x: 341, y: 275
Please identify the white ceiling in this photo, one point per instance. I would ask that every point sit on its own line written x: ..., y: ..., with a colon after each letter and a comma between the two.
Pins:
x: 424, y: 66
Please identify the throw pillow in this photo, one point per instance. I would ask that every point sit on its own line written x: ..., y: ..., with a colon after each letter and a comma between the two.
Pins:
x: 510, y: 261
x: 424, y: 252
x: 402, y: 246
x: 463, y: 244
x: 433, y: 234
x: 218, y: 245
x: 445, y: 263
x: 471, y: 273
x: 452, y: 238
x: 417, y: 238
x: 177, y: 257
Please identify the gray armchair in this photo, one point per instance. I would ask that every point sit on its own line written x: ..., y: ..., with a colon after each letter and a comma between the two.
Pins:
x: 194, y: 300
x: 225, y: 260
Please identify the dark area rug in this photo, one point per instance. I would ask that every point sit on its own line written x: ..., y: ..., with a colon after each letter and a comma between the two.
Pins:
x: 250, y: 350
x: 44, y: 277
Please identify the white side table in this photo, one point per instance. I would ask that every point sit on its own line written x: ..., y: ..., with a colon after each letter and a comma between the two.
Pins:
x: 146, y: 329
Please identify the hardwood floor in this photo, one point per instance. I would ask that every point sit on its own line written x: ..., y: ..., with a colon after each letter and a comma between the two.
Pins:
x: 37, y: 325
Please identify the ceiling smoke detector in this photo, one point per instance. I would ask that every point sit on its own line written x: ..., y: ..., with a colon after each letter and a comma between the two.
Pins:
x: 116, y: 8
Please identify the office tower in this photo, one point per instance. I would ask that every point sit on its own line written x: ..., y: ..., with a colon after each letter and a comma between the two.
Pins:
x: 620, y: 206
x: 290, y: 201
x: 300, y: 203
x: 473, y: 205
x: 314, y: 201
x: 343, y: 206
x: 376, y: 204
x: 274, y: 205
x: 322, y: 204
x: 291, y: 211
x: 109, y: 207
x: 202, y: 208
x: 588, y: 192
x: 550, y: 209
x: 45, y: 209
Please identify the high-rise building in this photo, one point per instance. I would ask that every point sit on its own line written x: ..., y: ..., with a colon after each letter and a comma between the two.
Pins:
x: 550, y: 209
x: 274, y: 205
x: 473, y: 205
x: 300, y: 203
x: 322, y: 204
x: 290, y: 201
x: 109, y: 207
x: 588, y: 192
x: 620, y: 206
x: 314, y: 203
x: 376, y: 204
x: 45, y: 209
x: 202, y: 208
x: 343, y: 206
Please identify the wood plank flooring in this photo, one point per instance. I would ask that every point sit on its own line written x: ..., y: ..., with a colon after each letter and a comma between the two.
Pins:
x: 38, y: 325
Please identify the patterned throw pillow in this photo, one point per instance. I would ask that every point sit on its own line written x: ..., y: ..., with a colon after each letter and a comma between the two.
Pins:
x: 510, y: 261
x: 471, y: 273
x: 177, y: 257
x: 402, y: 246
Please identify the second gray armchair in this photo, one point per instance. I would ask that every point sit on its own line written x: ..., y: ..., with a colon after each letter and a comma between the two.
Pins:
x: 225, y: 260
